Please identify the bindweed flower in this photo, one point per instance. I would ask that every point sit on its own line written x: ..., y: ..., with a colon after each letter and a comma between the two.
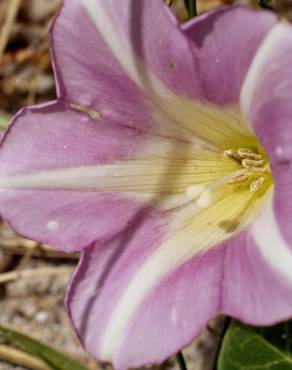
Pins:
x: 167, y: 160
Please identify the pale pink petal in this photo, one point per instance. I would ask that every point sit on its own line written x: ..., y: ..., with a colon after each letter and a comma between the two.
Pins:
x: 248, y: 277
x: 54, y: 137
x: 225, y: 42
x: 170, y: 313
x: 257, y: 285
x: 266, y: 99
x: 266, y: 94
x: 103, y: 50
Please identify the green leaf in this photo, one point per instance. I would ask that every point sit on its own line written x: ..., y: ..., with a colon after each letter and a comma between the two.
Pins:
x: 4, y: 120
x: 191, y: 6
x: 249, y: 348
x: 53, y: 358
x: 266, y: 4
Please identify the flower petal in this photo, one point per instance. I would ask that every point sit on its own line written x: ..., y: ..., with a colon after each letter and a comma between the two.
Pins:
x: 86, y: 72
x: 53, y: 137
x: 169, y: 314
x: 108, y: 42
x: 142, y: 278
x: 266, y: 99
x: 266, y: 94
x: 66, y: 170
x: 225, y: 41
x: 257, y: 280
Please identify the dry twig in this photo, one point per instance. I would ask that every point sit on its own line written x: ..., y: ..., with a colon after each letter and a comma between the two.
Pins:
x: 22, y: 246
x: 24, y: 274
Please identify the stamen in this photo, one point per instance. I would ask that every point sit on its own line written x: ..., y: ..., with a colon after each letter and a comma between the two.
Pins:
x: 248, y: 154
x: 226, y: 179
x: 250, y: 170
x: 251, y: 163
x: 256, y: 184
x: 247, y: 150
x: 232, y: 154
x: 248, y: 163
x: 238, y: 179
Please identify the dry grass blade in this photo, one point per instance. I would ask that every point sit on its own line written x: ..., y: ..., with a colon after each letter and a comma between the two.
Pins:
x: 23, y: 246
x: 24, y: 274
x: 8, y: 23
x: 21, y: 358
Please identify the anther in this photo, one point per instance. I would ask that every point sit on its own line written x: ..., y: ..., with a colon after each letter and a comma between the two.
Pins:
x: 248, y: 163
x: 248, y: 154
x: 256, y: 184
x: 250, y: 170
x: 238, y: 179
x: 232, y: 154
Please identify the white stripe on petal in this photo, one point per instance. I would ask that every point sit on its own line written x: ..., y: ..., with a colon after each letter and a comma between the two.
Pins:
x: 163, y: 261
x: 265, y: 231
x: 256, y: 68
x: 122, y: 51
x: 191, y: 231
x: 178, y: 117
x: 153, y: 176
x: 111, y: 36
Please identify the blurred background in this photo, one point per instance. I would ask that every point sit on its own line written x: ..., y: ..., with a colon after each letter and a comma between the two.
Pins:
x: 33, y: 277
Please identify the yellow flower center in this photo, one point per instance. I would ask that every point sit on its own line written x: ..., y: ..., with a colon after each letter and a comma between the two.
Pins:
x: 230, y: 176
x: 250, y: 173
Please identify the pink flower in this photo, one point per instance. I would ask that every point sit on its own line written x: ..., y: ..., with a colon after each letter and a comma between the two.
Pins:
x: 167, y: 160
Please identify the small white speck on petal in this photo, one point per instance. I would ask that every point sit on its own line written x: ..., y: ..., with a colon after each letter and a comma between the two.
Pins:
x: 84, y: 118
x: 173, y: 316
x: 52, y: 225
x: 279, y: 151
